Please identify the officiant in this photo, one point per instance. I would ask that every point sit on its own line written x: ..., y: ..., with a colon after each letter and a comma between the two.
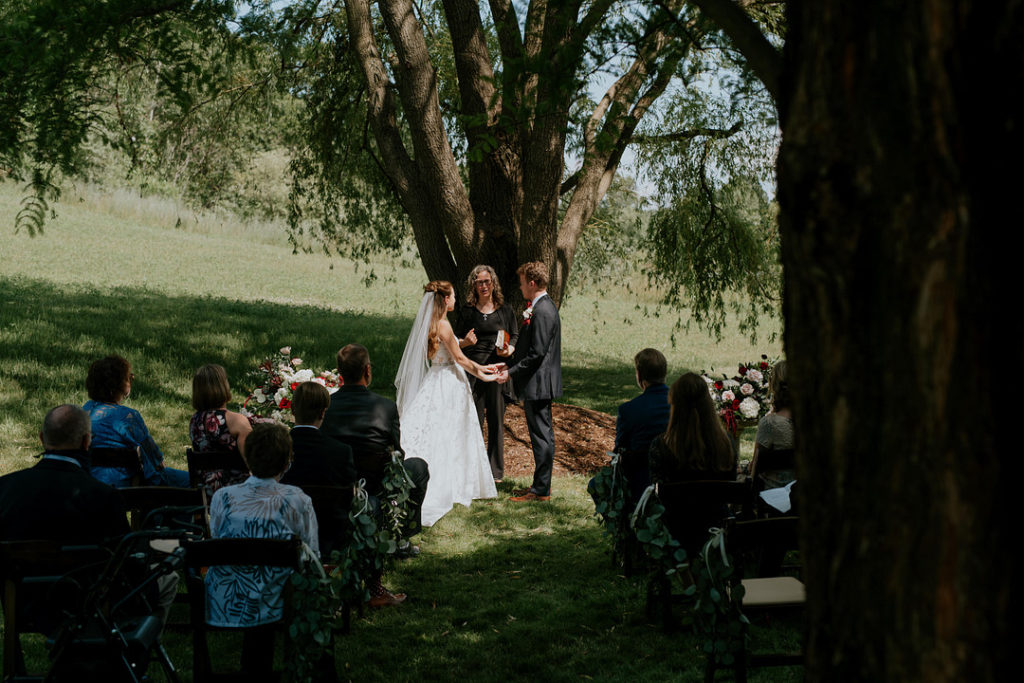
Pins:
x: 487, y: 330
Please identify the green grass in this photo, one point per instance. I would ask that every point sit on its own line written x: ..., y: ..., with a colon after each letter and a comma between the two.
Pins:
x: 500, y: 592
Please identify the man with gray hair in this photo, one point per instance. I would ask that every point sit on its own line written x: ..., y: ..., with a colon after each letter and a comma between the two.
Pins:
x: 58, y: 499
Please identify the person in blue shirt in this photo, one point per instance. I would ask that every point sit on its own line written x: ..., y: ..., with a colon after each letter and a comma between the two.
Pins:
x: 114, y: 425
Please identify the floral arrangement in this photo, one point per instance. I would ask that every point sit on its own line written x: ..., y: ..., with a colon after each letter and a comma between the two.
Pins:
x: 275, y: 379
x: 745, y: 396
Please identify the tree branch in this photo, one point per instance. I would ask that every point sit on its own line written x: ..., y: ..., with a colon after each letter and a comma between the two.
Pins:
x: 761, y: 55
x: 689, y: 134
x: 473, y: 64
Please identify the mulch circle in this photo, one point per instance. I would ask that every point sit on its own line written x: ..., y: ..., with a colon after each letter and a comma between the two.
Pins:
x: 583, y: 439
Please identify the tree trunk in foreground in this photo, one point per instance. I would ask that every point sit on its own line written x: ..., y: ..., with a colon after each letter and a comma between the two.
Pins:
x: 895, y: 193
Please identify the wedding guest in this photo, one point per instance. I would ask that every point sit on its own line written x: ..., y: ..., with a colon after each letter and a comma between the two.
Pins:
x: 215, y: 428
x: 318, y: 459
x: 479, y: 322
x: 260, y: 507
x: 775, y: 432
x: 117, y: 426
x: 57, y: 500
x: 368, y: 423
x: 694, y: 445
x: 642, y: 419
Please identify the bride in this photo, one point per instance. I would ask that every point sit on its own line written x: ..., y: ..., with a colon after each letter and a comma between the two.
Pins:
x: 435, y: 406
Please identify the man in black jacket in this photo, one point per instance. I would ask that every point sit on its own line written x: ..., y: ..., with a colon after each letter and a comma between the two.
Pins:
x: 368, y: 423
x: 321, y: 461
x: 58, y: 500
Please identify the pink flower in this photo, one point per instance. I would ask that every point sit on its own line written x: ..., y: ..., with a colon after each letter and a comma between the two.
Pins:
x: 296, y: 362
x: 285, y: 350
x: 746, y: 389
x: 728, y: 396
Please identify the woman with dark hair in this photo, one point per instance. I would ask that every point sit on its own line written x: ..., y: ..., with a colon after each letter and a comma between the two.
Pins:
x: 479, y: 322
x: 215, y: 428
x: 775, y: 432
x: 435, y: 404
x: 114, y: 425
x: 694, y: 445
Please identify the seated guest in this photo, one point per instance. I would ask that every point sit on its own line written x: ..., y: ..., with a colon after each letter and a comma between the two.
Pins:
x: 694, y: 445
x: 775, y: 432
x: 260, y: 507
x: 642, y: 419
x: 368, y: 423
x: 108, y: 383
x: 215, y: 428
x: 318, y: 459
x: 57, y: 500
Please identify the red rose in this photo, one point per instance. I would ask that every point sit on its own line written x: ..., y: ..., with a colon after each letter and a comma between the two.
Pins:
x: 718, y: 385
x: 285, y: 404
x: 295, y: 385
x: 735, y: 404
x: 743, y: 371
x: 764, y: 366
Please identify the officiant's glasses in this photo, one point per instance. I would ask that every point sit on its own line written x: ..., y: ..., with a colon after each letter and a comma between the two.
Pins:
x: 482, y: 283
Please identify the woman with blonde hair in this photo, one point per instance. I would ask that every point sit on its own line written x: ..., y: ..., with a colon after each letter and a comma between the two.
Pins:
x: 435, y: 404
x: 480, y: 321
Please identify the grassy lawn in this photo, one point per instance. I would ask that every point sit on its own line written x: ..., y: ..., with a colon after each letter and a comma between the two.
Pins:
x: 500, y: 592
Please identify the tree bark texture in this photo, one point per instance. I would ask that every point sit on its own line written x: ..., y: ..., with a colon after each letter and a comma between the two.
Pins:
x: 895, y: 199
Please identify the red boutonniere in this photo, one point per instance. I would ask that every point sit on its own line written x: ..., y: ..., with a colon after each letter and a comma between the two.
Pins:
x: 528, y: 313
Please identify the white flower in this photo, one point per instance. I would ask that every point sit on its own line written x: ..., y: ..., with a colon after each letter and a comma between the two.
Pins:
x: 303, y: 376
x: 281, y: 393
x: 707, y: 379
x: 331, y: 390
x: 746, y: 389
x: 749, y: 408
x: 730, y: 384
x: 728, y: 396
x: 321, y: 381
x: 755, y: 375
x: 285, y: 350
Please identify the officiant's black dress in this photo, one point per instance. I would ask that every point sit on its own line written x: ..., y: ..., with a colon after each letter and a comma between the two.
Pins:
x: 487, y: 396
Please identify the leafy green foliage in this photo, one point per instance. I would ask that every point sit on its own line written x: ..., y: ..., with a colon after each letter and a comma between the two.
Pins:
x: 719, y: 596
x: 655, y: 539
x: 609, y: 490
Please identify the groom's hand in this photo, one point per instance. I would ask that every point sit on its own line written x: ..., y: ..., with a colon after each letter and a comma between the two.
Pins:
x: 502, y: 376
x: 500, y: 367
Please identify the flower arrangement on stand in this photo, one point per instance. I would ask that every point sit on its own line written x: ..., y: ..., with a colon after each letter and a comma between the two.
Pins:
x: 743, y: 398
x: 276, y: 377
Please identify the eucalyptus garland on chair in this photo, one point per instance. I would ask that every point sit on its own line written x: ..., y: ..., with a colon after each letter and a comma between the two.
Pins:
x: 719, y: 596
x: 654, y: 536
x: 396, y: 503
x: 608, y: 489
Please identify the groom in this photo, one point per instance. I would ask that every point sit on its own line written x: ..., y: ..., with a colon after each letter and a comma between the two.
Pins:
x: 536, y: 371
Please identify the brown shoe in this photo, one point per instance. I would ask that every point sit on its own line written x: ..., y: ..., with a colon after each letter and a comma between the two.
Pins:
x: 386, y: 599
x: 528, y: 497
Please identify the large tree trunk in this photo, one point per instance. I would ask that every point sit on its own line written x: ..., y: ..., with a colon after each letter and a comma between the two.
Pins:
x: 902, y: 355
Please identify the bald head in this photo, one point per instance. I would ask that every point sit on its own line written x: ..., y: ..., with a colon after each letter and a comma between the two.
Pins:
x: 66, y: 427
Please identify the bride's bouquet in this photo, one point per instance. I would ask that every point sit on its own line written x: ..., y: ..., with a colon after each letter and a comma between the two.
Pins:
x: 744, y: 397
x: 275, y: 379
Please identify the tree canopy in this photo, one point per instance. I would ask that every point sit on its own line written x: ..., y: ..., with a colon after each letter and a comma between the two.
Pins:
x: 489, y: 131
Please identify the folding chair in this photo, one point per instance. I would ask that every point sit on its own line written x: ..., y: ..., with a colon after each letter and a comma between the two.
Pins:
x: 128, y: 458
x: 44, y: 582
x: 747, y: 542
x: 231, y: 552
x: 691, y: 509
x: 201, y: 462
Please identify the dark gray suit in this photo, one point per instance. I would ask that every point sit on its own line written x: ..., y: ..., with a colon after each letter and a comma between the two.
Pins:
x: 537, y: 372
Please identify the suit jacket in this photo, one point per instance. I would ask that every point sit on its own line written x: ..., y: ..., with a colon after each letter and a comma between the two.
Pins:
x: 638, y: 423
x: 59, y: 501
x: 368, y: 424
x: 537, y: 363
x: 319, y: 460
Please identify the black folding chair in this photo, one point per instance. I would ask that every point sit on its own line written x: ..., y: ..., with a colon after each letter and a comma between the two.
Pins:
x: 200, y: 555
x: 128, y: 458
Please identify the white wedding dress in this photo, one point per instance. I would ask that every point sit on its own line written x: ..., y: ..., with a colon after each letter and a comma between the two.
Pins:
x: 440, y: 425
